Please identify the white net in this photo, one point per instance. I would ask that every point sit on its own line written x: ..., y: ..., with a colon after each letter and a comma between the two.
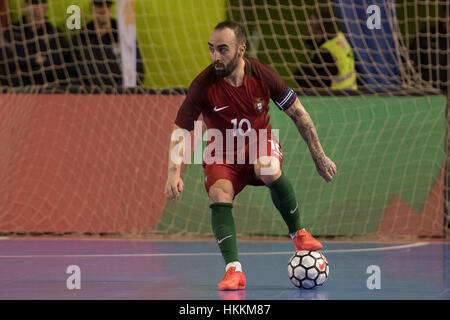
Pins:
x: 82, y: 153
x: 390, y: 41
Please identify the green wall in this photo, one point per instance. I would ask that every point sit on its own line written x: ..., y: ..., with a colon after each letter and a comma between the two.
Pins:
x: 382, y: 146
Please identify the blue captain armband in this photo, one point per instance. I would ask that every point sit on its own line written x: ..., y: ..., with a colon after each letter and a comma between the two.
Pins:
x: 286, y: 100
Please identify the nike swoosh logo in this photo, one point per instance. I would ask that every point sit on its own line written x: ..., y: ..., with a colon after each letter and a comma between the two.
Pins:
x: 322, y: 265
x: 224, y: 238
x: 293, y: 210
x: 216, y: 109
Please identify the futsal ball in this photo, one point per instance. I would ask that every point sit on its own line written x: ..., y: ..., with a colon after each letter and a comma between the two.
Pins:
x: 308, y: 269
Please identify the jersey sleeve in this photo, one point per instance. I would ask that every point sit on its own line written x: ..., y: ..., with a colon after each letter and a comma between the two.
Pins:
x: 280, y: 93
x: 192, y: 106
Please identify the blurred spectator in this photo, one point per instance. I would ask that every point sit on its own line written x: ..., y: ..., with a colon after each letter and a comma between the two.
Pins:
x: 34, y: 52
x: 332, y: 64
x: 429, y: 51
x: 98, y: 52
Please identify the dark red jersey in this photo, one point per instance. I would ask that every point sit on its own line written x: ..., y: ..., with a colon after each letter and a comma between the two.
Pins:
x: 235, y: 109
x: 221, y: 103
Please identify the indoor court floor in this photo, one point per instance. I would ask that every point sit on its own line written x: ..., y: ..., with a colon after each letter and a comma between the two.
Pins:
x: 96, y: 269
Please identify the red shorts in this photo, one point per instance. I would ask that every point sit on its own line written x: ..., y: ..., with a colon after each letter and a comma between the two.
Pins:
x: 240, y: 175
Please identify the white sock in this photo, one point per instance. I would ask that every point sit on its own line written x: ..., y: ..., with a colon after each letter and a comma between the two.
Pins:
x: 235, y: 264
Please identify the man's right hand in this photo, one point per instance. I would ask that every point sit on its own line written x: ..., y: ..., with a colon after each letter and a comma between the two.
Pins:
x: 174, y: 186
x: 325, y: 167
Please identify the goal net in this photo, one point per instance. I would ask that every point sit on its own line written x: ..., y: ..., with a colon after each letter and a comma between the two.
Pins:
x: 84, y: 149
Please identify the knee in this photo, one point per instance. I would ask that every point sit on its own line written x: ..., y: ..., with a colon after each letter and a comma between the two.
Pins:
x: 221, y: 191
x: 267, y: 169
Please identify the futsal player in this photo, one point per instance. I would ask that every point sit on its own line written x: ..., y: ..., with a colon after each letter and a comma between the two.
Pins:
x: 233, y: 95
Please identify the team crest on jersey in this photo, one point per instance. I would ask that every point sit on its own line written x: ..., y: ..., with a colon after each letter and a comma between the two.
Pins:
x: 258, y: 104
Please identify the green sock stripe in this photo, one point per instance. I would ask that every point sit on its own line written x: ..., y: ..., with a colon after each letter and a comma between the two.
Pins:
x: 221, y: 204
x: 282, y: 185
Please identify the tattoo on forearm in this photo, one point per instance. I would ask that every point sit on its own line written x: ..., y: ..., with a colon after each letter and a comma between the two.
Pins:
x: 298, y: 113
x: 308, y: 132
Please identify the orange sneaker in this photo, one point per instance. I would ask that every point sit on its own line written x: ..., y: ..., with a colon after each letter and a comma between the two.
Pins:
x: 303, y: 240
x: 232, y: 280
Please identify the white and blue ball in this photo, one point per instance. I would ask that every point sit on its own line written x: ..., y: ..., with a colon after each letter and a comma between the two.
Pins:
x: 308, y: 269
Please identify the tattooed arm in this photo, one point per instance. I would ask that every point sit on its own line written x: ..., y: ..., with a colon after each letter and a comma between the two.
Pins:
x: 305, y: 126
x: 174, y: 184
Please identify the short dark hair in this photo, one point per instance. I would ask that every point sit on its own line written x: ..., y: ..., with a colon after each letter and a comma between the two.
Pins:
x: 239, y: 32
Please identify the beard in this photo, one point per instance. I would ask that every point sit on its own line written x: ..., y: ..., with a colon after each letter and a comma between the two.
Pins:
x: 226, y: 69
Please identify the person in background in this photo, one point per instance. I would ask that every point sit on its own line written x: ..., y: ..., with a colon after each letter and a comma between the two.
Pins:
x: 34, y: 51
x: 97, y: 49
x: 332, y: 64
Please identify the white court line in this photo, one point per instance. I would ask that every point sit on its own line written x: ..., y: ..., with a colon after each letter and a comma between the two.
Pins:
x: 399, y: 247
